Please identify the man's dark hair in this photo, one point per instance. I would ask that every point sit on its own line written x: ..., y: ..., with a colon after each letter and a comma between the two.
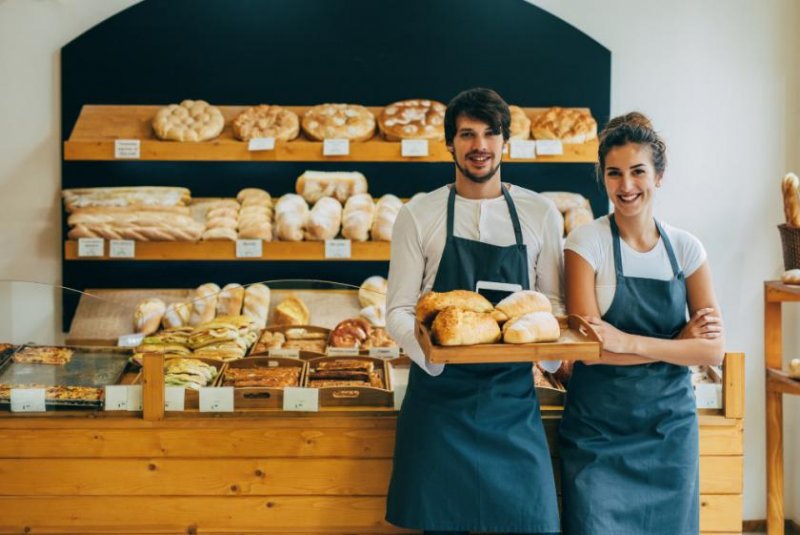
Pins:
x: 481, y: 104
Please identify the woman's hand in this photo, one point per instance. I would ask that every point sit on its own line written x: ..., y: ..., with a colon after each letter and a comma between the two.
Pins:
x: 704, y: 323
x: 612, y: 338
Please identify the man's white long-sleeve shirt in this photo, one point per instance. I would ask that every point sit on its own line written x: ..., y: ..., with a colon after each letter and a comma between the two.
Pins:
x: 418, y: 240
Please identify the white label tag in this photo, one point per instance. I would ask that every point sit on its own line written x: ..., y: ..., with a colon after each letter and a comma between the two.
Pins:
x: 399, y: 384
x: 261, y: 143
x: 341, y: 351
x: 336, y: 147
x: 130, y: 340
x: 292, y: 352
x: 708, y: 395
x: 174, y: 398
x: 384, y: 352
x: 134, y: 397
x: 500, y: 286
x: 523, y: 148
x: 127, y: 149
x: 414, y: 148
x: 249, y: 248
x: 27, y: 400
x: 216, y: 399
x: 549, y: 147
x: 116, y: 398
x: 90, y: 247
x: 122, y: 249
x: 300, y: 399
x: 337, y: 249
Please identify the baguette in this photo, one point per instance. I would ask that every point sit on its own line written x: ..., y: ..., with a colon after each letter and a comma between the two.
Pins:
x: 432, y: 303
x: 204, y: 304
x: 458, y: 327
x: 791, y: 199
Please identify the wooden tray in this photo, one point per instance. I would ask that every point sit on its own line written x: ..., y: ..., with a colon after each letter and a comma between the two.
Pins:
x: 355, y: 396
x: 578, y: 341
x: 283, y: 328
x: 257, y: 397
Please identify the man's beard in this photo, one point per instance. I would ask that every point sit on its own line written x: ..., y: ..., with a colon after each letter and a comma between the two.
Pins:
x: 478, y: 179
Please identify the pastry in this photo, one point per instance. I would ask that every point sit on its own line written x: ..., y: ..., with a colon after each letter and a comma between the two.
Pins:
x: 269, y: 340
x: 43, y: 355
x: 220, y: 233
x: 531, y: 327
x: 386, y: 211
x: 230, y: 300
x: 266, y: 121
x: 324, y: 220
x: 291, y: 311
x: 575, y: 217
x: 565, y: 200
x: 191, y: 120
x: 430, y: 304
x: 413, y: 119
x: 520, y: 123
x: 148, y: 315
x: 256, y: 303
x: 378, y: 338
x: 794, y: 368
x: 350, y: 333
x: 374, y: 314
x: 459, y: 327
x: 341, y: 185
x: 791, y: 276
x: 312, y: 346
x: 338, y: 121
x: 204, y: 304
x: 137, y: 197
x: 291, y: 218
x: 176, y: 315
x: 520, y: 303
x: 276, y: 377
x: 569, y: 125
x: 373, y: 291
x: 357, y: 217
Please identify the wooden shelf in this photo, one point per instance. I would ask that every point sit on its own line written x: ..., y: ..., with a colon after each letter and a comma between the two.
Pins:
x: 374, y: 251
x: 779, y: 381
x: 98, y: 127
x: 778, y: 292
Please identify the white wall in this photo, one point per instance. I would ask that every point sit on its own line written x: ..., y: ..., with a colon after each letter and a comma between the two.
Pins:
x: 720, y: 80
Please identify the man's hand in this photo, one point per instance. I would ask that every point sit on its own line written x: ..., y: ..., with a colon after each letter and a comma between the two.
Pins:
x: 703, y: 324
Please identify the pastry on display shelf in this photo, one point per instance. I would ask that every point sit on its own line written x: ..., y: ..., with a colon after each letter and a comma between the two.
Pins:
x: 386, y: 211
x: 291, y: 311
x: 230, y: 300
x: 204, y: 303
x: 291, y: 218
x: 275, y: 377
x: 338, y: 121
x: 266, y: 121
x: 133, y: 224
x: 341, y: 185
x: 57, y: 356
x: 134, y: 197
x: 255, y: 214
x: 575, y: 217
x: 378, y: 337
x: 338, y: 372
x: 221, y: 219
x: 324, y: 220
x: 188, y: 373
x: 413, y: 119
x: 351, y: 332
x: 148, y: 315
x: 357, y: 217
x: 58, y: 393
x: 374, y: 314
x: 568, y: 125
x: 373, y: 291
x: 256, y: 304
x: 791, y: 276
x: 574, y: 208
x: 191, y: 120
x: 520, y: 123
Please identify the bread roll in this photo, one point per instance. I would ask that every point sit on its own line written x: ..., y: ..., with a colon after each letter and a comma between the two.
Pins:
x: 385, y: 215
x: 794, y: 368
x: 324, y: 220
x: 575, y: 217
x: 291, y: 311
x: 458, y: 327
x: 230, y: 300
x: 373, y: 291
x: 254, y: 196
x: 148, y: 314
x: 432, y: 303
x: 375, y: 314
x: 291, y: 218
x: 791, y: 277
x: 177, y: 315
x: 220, y: 233
x: 531, y: 327
x: 520, y: 303
x: 791, y: 199
x: 565, y: 200
x: 357, y: 217
x: 256, y: 304
x: 204, y: 304
x: 341, y: 185
x: 255, y: 230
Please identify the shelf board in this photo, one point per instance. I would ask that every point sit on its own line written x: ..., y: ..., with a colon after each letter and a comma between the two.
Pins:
x: 779, y: 381
x: 98, y: 127
x: 226, y: 250
x: 779, y: 292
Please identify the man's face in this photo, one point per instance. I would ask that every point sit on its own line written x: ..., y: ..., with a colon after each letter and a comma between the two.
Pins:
x: 477, y: 150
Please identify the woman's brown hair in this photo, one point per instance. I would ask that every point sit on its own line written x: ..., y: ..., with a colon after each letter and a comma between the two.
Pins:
x: 633, y: 127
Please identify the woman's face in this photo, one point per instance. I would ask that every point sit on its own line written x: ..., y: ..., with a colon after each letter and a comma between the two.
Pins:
x: 631, y: 179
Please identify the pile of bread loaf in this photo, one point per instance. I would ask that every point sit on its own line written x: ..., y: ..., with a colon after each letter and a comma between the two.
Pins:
x: 358, y: 333
x: 574, y: 208
x: 461, y: 317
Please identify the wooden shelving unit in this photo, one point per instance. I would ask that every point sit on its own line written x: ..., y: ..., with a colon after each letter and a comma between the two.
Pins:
x: 778, y: 383
x: 98, y: 127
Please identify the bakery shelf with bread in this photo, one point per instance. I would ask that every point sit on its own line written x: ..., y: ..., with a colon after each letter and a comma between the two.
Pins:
x: 99, y: 126
x: 258, y: 382
x: 351, y: 381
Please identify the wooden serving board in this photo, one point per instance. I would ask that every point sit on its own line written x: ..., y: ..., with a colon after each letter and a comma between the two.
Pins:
x: 578, y: 341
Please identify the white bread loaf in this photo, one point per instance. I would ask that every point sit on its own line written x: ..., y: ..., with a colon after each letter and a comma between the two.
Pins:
x: 565, y: 200
x: 373, y: 291
x: 148, y: 314
x: 357, y: 217
x: 256, y: 304
x: 229, y: 302
x: 375, y: 314
x: 520, y: 303
x: 324, y: 220
x: 292, y: 311
x: 220, y: 233
x: 575, y: 217
x: 430, y: 304
x: 530, y: 328
x: 791, y: 277
x: 204, y: 304
x: 291, y: 218
x: 458, y: 327
x: 341, y: 185
x: 385, y: 215
x: 176, y: 315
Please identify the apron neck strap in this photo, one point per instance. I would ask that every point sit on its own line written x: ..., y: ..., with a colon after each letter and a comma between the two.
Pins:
x: 512, y: 210
x: 670, y: 251
x: 618, y: 252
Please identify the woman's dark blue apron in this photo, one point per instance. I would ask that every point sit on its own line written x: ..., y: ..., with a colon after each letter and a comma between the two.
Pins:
x: 471, y: 452
x: 629, y: 439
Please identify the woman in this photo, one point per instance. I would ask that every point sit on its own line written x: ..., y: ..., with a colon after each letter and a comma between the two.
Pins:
x: 629, y: 442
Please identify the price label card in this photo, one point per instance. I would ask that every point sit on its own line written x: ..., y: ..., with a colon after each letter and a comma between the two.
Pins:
x: 399, y: 384
x: 134, y: 397
x: 90, y: 247
x: 708, y: 395
x: 216, y: 399
x: 130, y: 340
x: 336, y: 147
x: 174, y: 398
x: 411, y: 148
x: 261, y: 143
x: 122, y: 248
x: 27, y: 400
x: 337, y: 249
x: 292, y: 352
x: 549, y: 147
x: 116, y: 398
x: 127, y: 149
x: 523, y: 148
x: 384, y: 352
x: 341, y: 351
x: 300, y: 399
x: 249, y: 248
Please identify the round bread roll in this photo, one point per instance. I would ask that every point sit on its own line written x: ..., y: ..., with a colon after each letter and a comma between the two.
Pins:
x: 413, y: 119
x: 191, y: 120
x: 791, y: 277
x: 266, y: 121
x: 373, y: 291
x: 530, y: 328
x: 342, y: 121
x: 520, y: 123
x: 569, y: 125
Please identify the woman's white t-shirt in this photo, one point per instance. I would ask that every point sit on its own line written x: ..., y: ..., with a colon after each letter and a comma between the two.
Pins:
x: 593, y: 243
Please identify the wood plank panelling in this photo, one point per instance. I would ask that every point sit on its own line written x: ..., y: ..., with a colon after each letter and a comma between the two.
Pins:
x: 720, y: 512
x: 722, y: 439
x: 721, y: 475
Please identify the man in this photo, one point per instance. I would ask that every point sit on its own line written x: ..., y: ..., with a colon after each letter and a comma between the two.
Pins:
x: 471, y: 453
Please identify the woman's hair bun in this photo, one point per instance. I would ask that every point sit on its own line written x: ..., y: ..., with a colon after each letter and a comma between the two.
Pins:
x: 632, y: 119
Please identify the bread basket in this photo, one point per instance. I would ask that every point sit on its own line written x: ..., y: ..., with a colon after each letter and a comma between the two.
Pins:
x: 790, y: 239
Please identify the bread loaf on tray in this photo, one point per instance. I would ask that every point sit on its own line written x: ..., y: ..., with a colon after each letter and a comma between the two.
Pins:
x: 458, y: 327
x: 432, y: 303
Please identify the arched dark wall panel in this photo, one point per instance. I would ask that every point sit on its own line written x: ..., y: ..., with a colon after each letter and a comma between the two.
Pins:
x: 306, y: 52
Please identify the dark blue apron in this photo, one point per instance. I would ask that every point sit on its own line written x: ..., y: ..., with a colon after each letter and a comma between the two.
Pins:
x: 471, y: 452
x: 629, y: 439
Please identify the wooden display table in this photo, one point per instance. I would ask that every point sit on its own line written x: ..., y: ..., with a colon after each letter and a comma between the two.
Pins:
x: 260, y: 471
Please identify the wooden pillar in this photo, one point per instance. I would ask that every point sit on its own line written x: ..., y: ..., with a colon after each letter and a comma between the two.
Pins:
x: 153, y: 387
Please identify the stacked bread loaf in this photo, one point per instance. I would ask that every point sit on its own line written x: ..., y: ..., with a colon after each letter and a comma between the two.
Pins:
x: 255, y: 214
x: 574, y: 208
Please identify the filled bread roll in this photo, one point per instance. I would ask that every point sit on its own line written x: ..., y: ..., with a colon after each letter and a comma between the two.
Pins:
x: 385, y: 215
x: 291, y: 218
x: 430, y: 304
x: 291, y: 311
x: 373, y: 291
x: 256, y: 304
x: 520, y: 303
x: 230, y: 300
x: 176, y: 315
x: 204, y: 304
x: 357, y: 217
x: 791, y: 277
x: 148, y: 314
x: 341, y: 185
x: 458, y: 327
x: 324, y: 220
x: 531, y: 327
